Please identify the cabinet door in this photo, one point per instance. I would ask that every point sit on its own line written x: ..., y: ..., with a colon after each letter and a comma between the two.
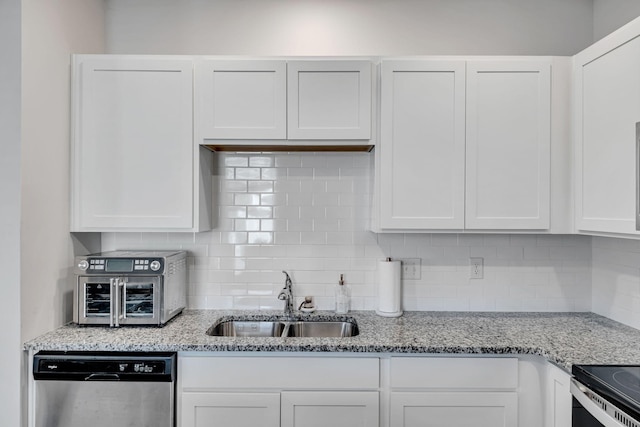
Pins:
x: 508, y: 145
x: 421, y: 151
x: 335, y: 409
x: 607, y: 88
x: 329, y: 99
x: 558, y: 397
x: 230, y: 409
x: 132, y: 164
x: 245, y: 99
x: 454, y: 409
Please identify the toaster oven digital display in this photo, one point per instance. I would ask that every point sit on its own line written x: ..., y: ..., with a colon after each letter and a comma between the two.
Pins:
x: 119, y: 265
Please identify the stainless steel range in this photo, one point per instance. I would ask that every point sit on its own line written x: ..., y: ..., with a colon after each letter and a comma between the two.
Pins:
x: 606, y: 395
x: 130, y: 287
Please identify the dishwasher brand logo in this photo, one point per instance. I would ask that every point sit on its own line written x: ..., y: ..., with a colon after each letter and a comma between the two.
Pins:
x: 52, y: 367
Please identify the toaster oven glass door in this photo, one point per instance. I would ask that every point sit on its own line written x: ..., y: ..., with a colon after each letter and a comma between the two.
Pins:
x: 106, y: 300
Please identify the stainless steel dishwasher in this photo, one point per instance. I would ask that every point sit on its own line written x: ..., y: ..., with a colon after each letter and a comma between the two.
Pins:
x: 104, y: 389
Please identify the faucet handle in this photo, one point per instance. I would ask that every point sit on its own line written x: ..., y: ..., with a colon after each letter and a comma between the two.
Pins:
x: 287, y: 279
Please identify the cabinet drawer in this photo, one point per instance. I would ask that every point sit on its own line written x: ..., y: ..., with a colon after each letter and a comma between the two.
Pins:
x: 279, y: 372
x: 454, y: 373
x: 478, y: 409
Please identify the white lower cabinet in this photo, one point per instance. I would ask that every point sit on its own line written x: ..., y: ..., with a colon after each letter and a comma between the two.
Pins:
x: 278, y: 391
x: 558, y: 398
x: 453, y: 392
x: 454, y: 409
x: 217, y: 390
x: 330, y: 408
x: 206, y: 409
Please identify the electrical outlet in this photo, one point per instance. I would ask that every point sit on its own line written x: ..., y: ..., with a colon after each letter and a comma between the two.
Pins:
x: 411, y: 268
x: 476, y: 268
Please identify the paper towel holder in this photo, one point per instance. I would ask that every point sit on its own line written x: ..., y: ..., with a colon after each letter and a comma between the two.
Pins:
x: 398, y: 294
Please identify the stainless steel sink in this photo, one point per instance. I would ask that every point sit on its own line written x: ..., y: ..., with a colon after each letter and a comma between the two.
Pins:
x: 284, y: 328
x: 322, y: 329
x: 246, y: 328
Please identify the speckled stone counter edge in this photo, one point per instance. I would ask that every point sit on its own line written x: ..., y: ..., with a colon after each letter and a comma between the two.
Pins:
x: 562, y: 338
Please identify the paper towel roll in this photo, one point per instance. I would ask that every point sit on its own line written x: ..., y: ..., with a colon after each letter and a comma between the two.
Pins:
x: 389, y: 291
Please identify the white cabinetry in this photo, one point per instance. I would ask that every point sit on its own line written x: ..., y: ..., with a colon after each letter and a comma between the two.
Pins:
x: 241, y: 99
x: 263, y: 102
x: 607, y: 106
x: 231, y: 409
x: 329, y: 99
x: 453, y: 391
x: 558, y: 397
x: 278, y: 391
x: 422, y: 145
x: 436, y: 137
x: 133, y: 161
x: 508, y: 144
x: 334, y: 408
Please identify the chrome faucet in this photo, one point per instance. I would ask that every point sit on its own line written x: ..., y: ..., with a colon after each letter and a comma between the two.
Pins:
x: 286, y: 294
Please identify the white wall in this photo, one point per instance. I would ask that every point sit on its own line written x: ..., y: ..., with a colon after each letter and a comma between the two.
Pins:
x: 308, y: 213
x: 349, y: 27
x: 616, y: 279
x: 609, y: 15
x: 51, y: 31
x: 10, y: 357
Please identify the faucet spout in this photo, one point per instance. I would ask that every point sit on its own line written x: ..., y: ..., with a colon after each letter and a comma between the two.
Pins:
x: 286, y: 295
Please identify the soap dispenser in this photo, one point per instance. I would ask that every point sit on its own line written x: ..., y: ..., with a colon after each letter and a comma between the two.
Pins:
x: 343, y: 296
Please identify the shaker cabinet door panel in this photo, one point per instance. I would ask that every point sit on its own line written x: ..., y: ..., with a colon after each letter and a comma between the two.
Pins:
x: 243, y: 99
x: 508, y: 145
x: 454, y: 409
x: 329, y: 99
x: 607, y: 90
x: 230, y: 409
x: 422, y: 145
x: 336, y: 409
x: 132, y: 155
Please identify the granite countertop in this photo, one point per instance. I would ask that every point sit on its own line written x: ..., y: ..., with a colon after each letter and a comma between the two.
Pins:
x: 562, y: 338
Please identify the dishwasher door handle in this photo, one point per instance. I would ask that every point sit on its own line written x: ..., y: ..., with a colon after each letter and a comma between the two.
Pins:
x: 103, y: 377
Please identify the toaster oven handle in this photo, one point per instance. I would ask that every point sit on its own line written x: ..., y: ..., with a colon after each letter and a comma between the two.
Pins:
x: 117, y: 314
x: 123, y: 310
x: 113, y: 286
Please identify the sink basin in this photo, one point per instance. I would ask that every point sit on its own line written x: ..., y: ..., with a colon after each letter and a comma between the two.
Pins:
x: 244, y: 328
x: 322, y: 329
x: 284, y: 328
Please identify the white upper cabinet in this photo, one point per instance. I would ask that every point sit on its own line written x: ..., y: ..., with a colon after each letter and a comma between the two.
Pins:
x: 243, y: 99
x: 607, y: 100
x: 132, y: 146
x: 421, y: 149
x: 465, y: 145
x: 508, y: 144
x: 262, y: 101
x: 329, y: 99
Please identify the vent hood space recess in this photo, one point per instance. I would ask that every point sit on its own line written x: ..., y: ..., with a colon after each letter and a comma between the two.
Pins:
x: 288, y: 148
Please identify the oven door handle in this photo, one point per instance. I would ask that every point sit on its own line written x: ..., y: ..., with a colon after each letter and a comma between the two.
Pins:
x: 116, y: 304
x: 579, y: 392
x: 113, y: 285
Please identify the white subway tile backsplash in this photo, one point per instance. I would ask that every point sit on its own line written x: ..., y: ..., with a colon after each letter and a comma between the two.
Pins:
x: 260, y: 186
x: 233, y: 186
x: 261, y: 161
x: 309, y: 214
x: 272, y: 173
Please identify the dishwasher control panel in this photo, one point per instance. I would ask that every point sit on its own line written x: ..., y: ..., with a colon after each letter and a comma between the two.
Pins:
x: 103, y: 366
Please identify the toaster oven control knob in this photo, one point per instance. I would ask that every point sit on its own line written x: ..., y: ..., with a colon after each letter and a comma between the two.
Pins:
x: 155, y: 265
x: 83, y: 265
